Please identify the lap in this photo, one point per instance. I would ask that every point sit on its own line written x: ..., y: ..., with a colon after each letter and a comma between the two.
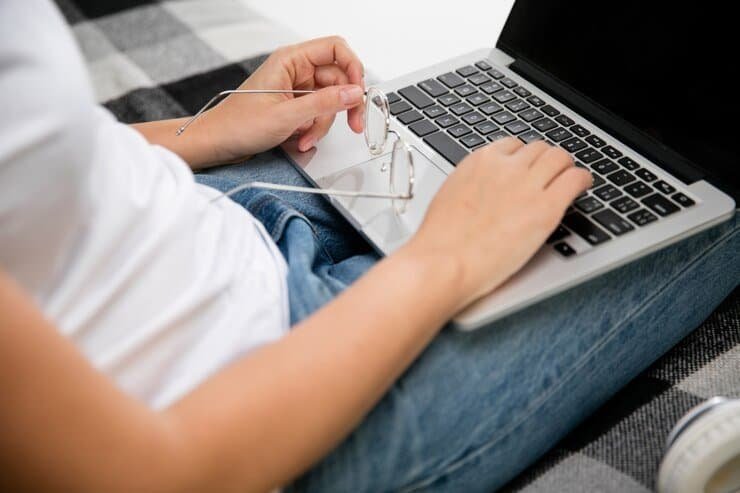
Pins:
x: 478, y: 407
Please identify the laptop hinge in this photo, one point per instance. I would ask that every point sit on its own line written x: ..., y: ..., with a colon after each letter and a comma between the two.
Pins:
x: 653, y: 150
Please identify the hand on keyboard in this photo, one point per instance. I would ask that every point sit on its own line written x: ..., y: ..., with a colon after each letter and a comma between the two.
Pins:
x: 496, y: 210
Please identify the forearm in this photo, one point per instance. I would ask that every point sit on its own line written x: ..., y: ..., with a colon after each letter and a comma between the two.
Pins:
x: 269, y: 417
x: 196, y: 148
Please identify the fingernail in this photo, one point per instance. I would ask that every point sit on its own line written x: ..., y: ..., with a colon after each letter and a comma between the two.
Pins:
x: 308, y: 145
x: 351, y: 96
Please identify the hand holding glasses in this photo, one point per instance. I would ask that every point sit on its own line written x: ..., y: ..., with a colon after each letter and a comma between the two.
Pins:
x: 377, y: 128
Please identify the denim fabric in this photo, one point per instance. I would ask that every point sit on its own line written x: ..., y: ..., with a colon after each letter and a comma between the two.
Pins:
x: 477, y: 408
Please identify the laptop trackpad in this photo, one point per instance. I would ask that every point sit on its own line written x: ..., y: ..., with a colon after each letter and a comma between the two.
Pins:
x: 377, y: 218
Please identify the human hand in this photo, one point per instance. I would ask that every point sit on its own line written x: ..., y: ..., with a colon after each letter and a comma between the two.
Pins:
x: 497, y: 209
x: 246, y: 124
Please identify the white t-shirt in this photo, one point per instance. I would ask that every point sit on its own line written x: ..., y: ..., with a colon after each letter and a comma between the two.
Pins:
x: 112, y: 237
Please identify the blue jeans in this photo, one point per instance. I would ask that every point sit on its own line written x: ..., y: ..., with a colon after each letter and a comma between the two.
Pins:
x: 476, y: 408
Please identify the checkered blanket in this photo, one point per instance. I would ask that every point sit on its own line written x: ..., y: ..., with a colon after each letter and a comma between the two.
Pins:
x: 162, y: 60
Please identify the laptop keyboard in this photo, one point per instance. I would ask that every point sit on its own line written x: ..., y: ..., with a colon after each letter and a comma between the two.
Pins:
x: 457, y: 112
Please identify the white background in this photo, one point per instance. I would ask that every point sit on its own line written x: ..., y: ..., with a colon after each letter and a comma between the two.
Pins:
x: 394, y: 37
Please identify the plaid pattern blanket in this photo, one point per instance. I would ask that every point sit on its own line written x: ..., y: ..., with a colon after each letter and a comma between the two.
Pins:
x: 153, y: 60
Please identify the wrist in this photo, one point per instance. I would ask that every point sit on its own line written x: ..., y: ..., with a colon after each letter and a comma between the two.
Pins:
x: 440, y: 274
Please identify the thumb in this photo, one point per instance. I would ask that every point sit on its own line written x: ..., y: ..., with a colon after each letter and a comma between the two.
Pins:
x: 326, y: 101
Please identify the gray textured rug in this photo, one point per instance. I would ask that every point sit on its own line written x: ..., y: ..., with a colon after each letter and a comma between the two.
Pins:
x: 153, y: 60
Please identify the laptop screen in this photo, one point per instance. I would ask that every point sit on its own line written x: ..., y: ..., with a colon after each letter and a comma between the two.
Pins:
x: 663, y: 67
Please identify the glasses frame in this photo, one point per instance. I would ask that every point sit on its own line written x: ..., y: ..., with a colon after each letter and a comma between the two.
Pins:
x: 399, y: 200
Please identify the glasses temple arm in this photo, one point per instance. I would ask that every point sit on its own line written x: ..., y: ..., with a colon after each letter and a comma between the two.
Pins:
x: 315, y: 191
x: 235, y: 91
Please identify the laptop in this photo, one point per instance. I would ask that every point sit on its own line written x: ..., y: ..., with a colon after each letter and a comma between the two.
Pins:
x: 639, y: 93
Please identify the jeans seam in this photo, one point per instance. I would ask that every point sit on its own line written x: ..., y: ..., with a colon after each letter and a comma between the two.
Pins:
x: 538, y: 403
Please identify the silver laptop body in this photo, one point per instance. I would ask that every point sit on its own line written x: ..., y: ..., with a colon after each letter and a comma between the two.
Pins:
x: 341, y: 160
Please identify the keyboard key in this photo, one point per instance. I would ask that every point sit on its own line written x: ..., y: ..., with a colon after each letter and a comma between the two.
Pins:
x: 573, y: 145
x: 496, y: 74
x: 637, y: 189
x: 579, y: 131
x: 483, y: 65
x: 613, y: 222
x: 451, y: 80
x: 589, y: 155
x: 607, y: 193
x: 604, y: 166
x: 465, y: 90
x: 530, y: 115
x: 399, y: 107
x: 621, y: 178
x: 564, y: 249
x: 422, y: 128
x: 461, y: 108
x: 504, y: 96
x: 683, y: 200
x: 503, y: 118
x: 416, y: 97
x: 473, y: 118
x: 477, y: 99
x: 550, y: 111
x: 522, y: 92
x: 434, y: 111
x: 646, y: 175
x: 642, y: 217
x: 535, y: 101
x: 490, y: 108
x: 467, y: 71
x: 498, y: 135
x: 509, y: 82
x: 583, y: 227
x: 517, y: 106
x: 598, y: 181
x: 557, y: 235
x: 472, y: 140
x: 486, y: 128
x: 658, y: 203
x: 479, y: 79
x: 392, y: 97
x: 448, y: 148
x: 664, y: 187
x: 611, y: 152
x: 446, y: 121
x: 530, y: 136
x: 558, y: 134
x: 433, y: 87
x: 624, y: 204
x: 459, y: 130
x: 595, y: 141
x: 544, y: 125
x: 410, y: 117
x: 491, y: 87
x: 564, y: 120
x: 588, y: 205
x: 628, y: 163
x: 517, y: 127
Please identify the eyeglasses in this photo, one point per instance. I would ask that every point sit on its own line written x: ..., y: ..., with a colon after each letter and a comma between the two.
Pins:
x: 400, y: 166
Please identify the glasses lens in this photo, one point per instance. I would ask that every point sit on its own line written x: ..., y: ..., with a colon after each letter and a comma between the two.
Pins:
x: 402, y: 176
x: 376, y: 120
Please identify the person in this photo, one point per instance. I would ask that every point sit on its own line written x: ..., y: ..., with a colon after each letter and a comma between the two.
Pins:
x: 153, y: 339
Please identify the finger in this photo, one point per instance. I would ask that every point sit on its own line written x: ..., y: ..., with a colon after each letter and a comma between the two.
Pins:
x: 509, y: 145
x: 316, y: 132
x: 549, y: 165
x: 305, y: 126
x: 568, y: 185
x: 528, y: 154
x: 326, y: 101
x: 330, y: 75
x: 333, y: 49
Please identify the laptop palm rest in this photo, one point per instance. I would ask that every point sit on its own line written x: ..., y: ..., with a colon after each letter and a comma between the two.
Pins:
x: 377, y: 218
